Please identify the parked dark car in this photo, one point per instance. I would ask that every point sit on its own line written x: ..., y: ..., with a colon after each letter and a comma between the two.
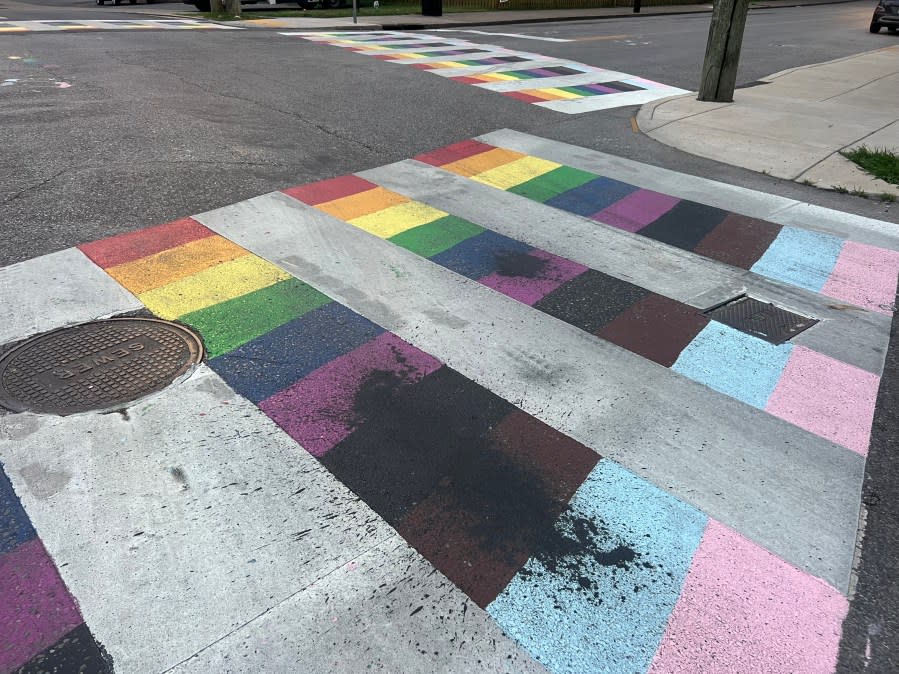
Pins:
x: 886, y: 15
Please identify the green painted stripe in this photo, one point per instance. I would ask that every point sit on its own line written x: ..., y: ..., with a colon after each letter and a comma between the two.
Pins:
x: 436, y: 236
x: 553, y: 183
x: 227, y: 325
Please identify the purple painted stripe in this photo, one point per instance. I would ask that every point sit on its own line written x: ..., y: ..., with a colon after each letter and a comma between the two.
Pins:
x: 545, y: 73
x: 318, y: 411
x: 557, y: 271
x: 601, y: 89
x: 636, y: 210
x: 36, y: 609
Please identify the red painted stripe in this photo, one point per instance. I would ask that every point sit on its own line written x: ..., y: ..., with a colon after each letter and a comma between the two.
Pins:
x: 423, y: 66
x: 329, y: 190
x: 527, y: 98
x: 451, y: 153
x: 135, y: 245
x: 384, y: 57
x: 467, y: 80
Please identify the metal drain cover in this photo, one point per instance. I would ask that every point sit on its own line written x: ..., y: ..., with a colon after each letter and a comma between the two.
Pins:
x: 760, y: 319
x: 96, y: 366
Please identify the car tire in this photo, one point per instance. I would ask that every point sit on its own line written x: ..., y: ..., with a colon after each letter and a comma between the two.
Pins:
x: 332, y: 4
x: 892, y: 29
x: 202, y: 5
x: 874, y: 27
x: 101, y: 2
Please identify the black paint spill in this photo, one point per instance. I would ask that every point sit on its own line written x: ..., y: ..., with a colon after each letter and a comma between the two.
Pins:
x: 522, y: 265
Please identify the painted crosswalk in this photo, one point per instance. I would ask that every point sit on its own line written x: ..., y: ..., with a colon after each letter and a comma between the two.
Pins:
x: 552, y: 83
x: 48, y: 26
x: 456, y: 417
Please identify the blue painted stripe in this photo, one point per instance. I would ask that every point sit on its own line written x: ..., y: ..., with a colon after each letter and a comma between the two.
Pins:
x: 583, y: 612
x: 734, y: 363
x: 800, y: 258
x: 277, y: 359
x: 477, y: 257
x: 592, y: 197
x: 15, y: 527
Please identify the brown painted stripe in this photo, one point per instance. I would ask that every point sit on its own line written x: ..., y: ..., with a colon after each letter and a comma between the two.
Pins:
x: 739, y: 240
x: 656, y: 327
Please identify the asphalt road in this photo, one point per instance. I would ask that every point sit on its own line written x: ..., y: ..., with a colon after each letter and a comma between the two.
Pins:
x: 160, y: 124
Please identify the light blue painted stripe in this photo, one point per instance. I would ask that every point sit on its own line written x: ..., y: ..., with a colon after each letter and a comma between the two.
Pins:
x: 800, y: 257
x: 732, y: 362
x: 581, y: 612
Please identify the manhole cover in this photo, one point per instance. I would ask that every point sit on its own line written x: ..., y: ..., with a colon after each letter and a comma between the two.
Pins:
x: 96, y: 366
x: 760, y: 319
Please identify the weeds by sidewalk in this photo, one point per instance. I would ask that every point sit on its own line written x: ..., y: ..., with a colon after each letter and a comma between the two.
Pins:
x: 880, y: 163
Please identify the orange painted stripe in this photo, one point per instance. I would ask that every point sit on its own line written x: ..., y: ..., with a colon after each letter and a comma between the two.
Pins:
x: 471, y: 166
x: 175, y: 264
x: 362, y: 203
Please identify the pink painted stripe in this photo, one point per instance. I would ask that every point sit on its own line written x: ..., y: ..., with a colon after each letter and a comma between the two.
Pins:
x: 36, y: 609
x: 865, y: 276
x: 636, y: 210
x: 743, y: 609
x: 557, y: 271
x: 827, y: 397
x: 318, y: 411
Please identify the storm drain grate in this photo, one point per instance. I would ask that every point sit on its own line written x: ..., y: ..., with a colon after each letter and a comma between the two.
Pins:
x: 760, y: 319
x: 96, y: 366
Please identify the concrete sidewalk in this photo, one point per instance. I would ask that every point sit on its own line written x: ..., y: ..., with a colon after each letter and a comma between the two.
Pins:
x: 795, y: 124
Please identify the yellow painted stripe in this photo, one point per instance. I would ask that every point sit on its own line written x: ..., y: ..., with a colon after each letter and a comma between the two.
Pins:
x: 558, y: 93
x: 500, y: 77
x: 363, y: 203
x: 211, y: 286
x: 176, y: 263
x: 448, y: 64
x: 516, y: 172
x: 391, y: 221
x: 484, y: 161
x: 409, y: 55
x: 541, y: 93
x: 13, y: 29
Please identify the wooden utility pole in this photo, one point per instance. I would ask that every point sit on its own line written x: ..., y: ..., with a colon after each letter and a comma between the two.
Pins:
x: 722, y: 53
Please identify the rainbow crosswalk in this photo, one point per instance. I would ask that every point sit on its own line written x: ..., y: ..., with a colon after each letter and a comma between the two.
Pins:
x: 474, y: 397
x: 567, y: 87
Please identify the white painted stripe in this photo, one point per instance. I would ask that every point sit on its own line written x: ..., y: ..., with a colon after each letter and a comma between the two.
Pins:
x: 859, y: 338
x: 781, y: 210
x: 560, y: 81
x: 575, y: 106
x: 56, y: 290
x: 788, y: 490
x: 520, y: 36
x: 364, y: 615
x: 161, y: 567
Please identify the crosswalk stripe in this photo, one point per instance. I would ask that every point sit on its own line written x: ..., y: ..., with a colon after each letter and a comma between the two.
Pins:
x: 731, y: 362
x: 771, y: 207
x: 856, y: 337
x: 796, y: 256
x: 595, y: 89
x: 444, y: 314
